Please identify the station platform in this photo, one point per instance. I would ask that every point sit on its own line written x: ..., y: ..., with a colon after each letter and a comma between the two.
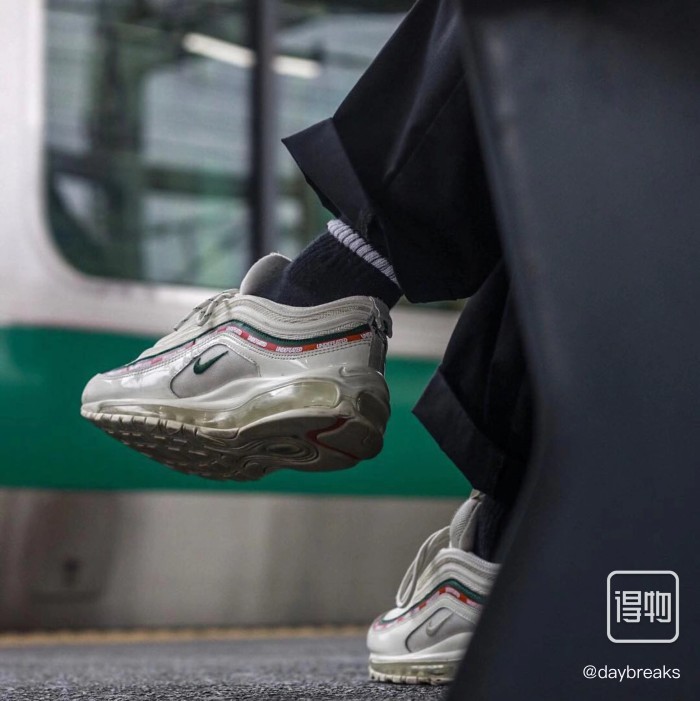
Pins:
x: 264, y: 664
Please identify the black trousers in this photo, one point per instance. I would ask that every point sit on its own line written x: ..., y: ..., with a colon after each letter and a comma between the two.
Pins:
x: 400, y: 161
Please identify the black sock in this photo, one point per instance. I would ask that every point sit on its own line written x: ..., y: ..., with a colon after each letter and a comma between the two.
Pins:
x: 327, y: 270
x: 491, y: 522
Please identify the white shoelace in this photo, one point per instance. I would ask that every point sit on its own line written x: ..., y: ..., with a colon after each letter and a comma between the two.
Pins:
x: 207, y: 308
x: 434, y: 543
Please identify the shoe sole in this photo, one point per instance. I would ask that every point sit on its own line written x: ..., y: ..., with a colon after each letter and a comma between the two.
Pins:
x: 307, y: 439
x: 433, y: 673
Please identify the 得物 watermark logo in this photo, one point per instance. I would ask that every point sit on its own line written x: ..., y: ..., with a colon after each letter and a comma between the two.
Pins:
x: 643, y: 606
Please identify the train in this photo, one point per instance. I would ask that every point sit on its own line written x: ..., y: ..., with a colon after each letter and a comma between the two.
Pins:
x: 128, y: 190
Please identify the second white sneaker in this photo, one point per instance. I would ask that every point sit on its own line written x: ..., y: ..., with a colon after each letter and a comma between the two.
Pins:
x: 438, y: 606
x: 245, y: 386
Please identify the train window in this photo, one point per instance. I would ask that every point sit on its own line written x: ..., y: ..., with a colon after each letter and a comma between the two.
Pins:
x: 147, y: 162
x: 148, y: 127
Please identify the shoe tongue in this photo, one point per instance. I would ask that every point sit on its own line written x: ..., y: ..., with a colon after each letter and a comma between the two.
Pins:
x: 264, y: 274
x: 463, y: 525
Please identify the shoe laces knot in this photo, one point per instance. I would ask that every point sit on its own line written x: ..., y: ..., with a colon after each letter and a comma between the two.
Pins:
x: 434, y: 543
x: 207, y: 308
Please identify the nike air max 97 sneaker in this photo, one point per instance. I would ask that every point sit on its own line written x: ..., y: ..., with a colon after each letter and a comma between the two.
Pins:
x: 245, y: 386
x: 438, y: 606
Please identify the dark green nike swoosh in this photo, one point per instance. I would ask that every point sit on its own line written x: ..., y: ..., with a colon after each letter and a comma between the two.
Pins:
x: 199, y: 367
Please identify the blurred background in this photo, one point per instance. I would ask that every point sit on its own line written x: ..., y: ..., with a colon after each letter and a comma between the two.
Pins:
x: 142, y: 169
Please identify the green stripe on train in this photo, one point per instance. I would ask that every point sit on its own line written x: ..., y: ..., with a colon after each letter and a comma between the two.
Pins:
x: 46, y: 444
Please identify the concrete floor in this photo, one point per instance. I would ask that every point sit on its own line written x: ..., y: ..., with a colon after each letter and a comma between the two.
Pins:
x: 314, y: 668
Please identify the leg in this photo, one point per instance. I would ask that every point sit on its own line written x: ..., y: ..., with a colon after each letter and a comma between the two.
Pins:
x: 401, y: 163
x: 479, y: 408
x: 165, y: 390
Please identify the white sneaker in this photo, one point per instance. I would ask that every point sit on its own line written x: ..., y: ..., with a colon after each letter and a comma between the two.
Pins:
x: 438, y: 605
x: 245, y: 386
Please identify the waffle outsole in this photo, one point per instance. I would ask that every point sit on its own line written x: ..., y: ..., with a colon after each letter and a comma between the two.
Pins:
x: 306, y: 440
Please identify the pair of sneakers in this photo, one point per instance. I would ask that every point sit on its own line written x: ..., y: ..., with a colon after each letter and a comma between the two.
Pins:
x: 245, y: 386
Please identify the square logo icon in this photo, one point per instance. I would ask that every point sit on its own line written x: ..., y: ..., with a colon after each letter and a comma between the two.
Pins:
x: 643, y: 606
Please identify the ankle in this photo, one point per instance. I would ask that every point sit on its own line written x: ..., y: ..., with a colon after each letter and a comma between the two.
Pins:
x: 334, y: 266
